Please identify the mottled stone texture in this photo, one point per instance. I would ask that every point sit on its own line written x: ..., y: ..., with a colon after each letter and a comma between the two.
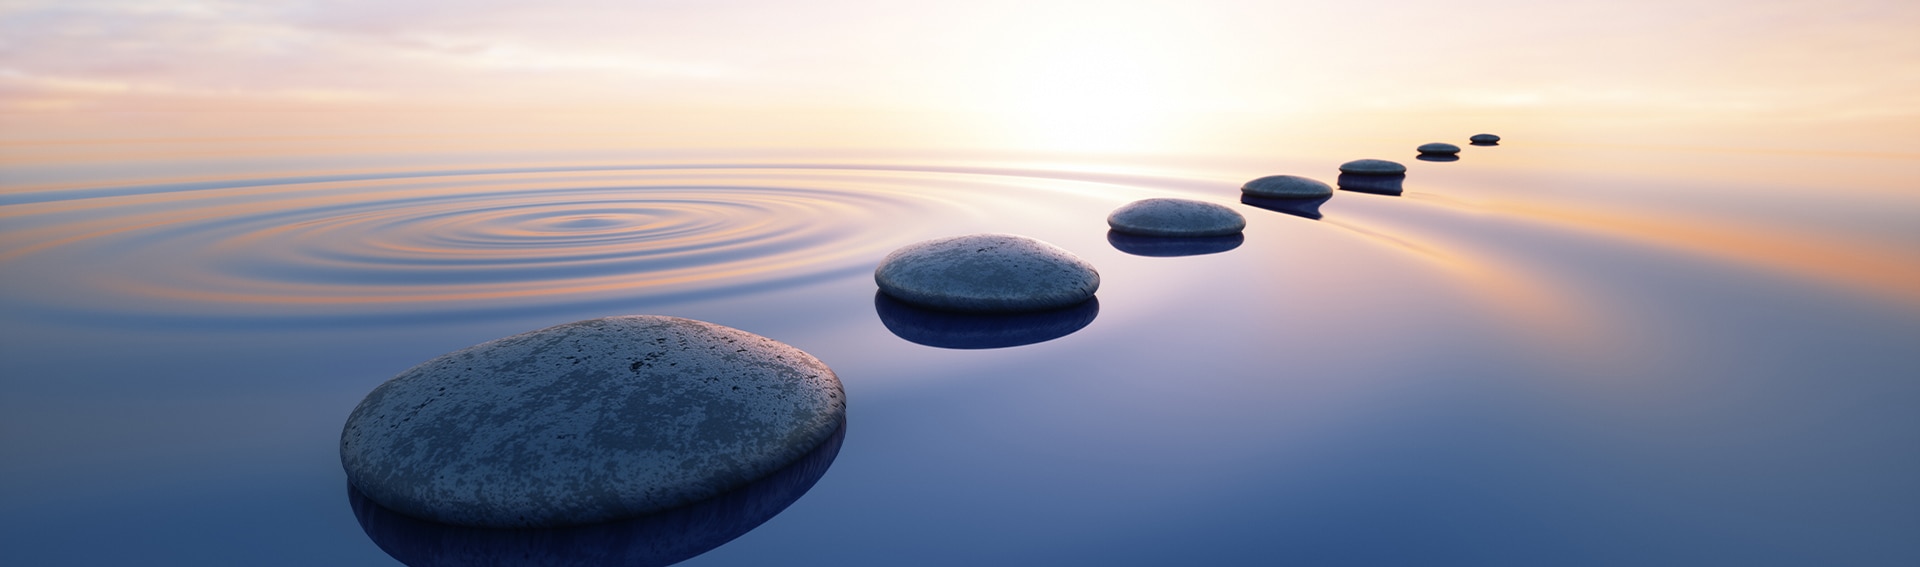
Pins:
x: 1372, y: 167
x: 1286, y: 187
x: 587, y: 422
x: 986, y: 273
x: 1441, y: 148
x: 653, y: 540
x: 1175, y: 217
x: 1484, y: 139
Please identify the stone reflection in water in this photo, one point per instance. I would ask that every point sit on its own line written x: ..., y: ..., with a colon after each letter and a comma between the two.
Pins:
x: 1389, y: 184
x: 947, y: 329
x: 1169, y: 246
x: 1438, y: 149
x: 1437, y: 157
x: 660, y: 539
x: 1304, y: 208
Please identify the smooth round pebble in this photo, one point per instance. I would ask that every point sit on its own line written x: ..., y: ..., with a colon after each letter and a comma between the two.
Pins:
x: 986, y: 273
x: 1484, y: 139
x: 1175, y: 217
x: 587, y: 422
x: 665, y: 538
x: 1286, y: 187
x: 1372, y: 167
x: 1441, y: 148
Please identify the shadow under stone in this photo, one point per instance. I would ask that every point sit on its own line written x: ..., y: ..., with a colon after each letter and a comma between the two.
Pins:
x: 1390, y: 184
x: 1303, y: 208
x: 1169, y: 246
x: 947, y: 329
x: 655, y: 540
x: 1483, y: 143
x: 1437, y: 157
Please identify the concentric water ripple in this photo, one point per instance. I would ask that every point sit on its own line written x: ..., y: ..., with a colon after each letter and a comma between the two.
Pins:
x: 412, y: 246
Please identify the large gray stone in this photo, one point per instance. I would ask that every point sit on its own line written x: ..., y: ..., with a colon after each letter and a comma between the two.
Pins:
x: 986, y: 273
x: 653, y: 540
x: 1175, y: 217
x: 588, y: 422
x: 1372, y: 167
x: 1439, y: 148
x: 1286, y: 187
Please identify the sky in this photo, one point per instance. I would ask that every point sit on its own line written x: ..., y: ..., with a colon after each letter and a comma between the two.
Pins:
x: 1842, y: 73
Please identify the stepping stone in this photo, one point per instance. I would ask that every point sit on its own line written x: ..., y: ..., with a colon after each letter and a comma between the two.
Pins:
x: 1286, y: 187
x: 1439, y: 148
x: 588, y: 422
x: 986, y: 273
x: 1484, y: 139
x: 665, y: 538
x: 1175, y: 217
x: 1372, y: 167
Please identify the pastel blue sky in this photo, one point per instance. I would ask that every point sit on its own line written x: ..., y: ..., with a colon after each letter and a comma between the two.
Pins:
x: 1837, y: 62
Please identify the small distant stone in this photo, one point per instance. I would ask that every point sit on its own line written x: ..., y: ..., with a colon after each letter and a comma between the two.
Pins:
x: 1439, y: 148
x: 1176, y: 218
x: 1484, y: 139
x: 1286, y: 187
x: 588, y: 422
x: 1372, y: 167
x: 986, y: 273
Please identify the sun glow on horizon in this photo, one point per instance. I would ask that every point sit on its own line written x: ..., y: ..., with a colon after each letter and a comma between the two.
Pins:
x: 1038, y: 74
x: 1086, y: 91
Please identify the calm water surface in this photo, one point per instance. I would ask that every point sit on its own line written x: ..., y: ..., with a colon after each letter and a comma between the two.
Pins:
x: 1537, y: 355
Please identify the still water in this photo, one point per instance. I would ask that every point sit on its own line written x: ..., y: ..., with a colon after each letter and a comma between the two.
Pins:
x: 1539, y: 354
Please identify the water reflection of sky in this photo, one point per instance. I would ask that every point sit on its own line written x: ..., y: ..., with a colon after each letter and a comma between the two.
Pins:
x: 1529, y: 357
x: 1669, y: 319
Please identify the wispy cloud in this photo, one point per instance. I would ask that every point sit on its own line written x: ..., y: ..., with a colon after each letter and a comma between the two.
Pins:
x: 1030, y: 60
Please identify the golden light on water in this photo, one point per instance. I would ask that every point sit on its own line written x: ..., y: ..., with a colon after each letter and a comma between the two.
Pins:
x: 116, y: 82
x: 1892, y: 271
